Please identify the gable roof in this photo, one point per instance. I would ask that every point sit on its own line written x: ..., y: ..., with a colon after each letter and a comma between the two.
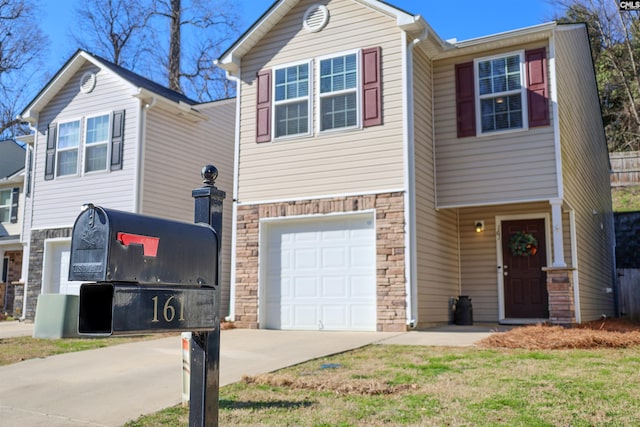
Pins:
x: 81, y: 57
x: 231, y: 58
x: 11, y: 159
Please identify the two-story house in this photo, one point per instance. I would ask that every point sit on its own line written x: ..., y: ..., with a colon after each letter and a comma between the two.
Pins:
x: 12, y: 174
x: 383, y: 172
x: 107, y: 136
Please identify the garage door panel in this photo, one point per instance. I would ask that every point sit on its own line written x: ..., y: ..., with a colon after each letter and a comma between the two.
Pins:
x: 305, y: 258
x: 334, y: 258
x: 305, y: 287
x: 305, y: 316
x: 334, y: 317
x: 321, y: 273
x: 334, y: 287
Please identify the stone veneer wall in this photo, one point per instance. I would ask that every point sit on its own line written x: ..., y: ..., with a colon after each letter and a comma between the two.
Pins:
x: 36, y: 253
x: 390, y: 252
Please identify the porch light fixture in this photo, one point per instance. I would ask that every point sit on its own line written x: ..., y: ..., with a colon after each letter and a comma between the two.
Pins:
x: 479, y: 225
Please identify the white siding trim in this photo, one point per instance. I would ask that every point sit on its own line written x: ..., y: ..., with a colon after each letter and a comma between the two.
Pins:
x: 574, y: 264
x: 318, y: 197
x: 499, y: 260
x: 46, y: 262
x: 553, y: 89
x: 140, y: 131
x: 234, y: 209
x: 497, y: 202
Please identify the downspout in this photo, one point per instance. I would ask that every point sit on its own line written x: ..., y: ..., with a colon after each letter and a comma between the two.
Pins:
x: 234, y: 220
x: 144, y: 105
x: 410, y: 200
x: 27, y: 248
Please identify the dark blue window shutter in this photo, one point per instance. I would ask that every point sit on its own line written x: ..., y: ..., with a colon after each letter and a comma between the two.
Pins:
x: 117, y: 139
x: 50, y: 160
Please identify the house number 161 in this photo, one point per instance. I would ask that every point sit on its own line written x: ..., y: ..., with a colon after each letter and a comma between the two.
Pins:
x: 168, y: 309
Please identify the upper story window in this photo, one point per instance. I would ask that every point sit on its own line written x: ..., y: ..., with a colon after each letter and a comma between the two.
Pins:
x: 67, y: 147
x: 292, y: 99
x: 339, y: 92
x: 96, y: 143
x: 348, y: 93
x: 5, y: 205
x: 500, y: 93
x: 88, y: 145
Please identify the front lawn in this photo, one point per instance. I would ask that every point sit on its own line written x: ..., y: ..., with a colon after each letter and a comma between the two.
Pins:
x: 442, y: 386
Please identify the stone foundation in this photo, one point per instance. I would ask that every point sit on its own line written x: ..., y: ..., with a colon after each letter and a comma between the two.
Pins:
x: 390, y: 252
x: 562, y: 308
x: 36, y: 254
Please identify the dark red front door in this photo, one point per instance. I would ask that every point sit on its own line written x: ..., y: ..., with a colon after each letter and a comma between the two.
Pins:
x: 525, y: 287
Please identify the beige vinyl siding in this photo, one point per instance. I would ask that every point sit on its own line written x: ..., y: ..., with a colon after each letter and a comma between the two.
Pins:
x: 338, y: 162
x: 175, y: 152
x: 436, y: 236
x: 585, y: 167
x: 479, y: 252
x: 57, y: 202
x: 504, y: 167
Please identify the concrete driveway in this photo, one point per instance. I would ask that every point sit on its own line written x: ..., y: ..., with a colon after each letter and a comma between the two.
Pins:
x: 110, y: 386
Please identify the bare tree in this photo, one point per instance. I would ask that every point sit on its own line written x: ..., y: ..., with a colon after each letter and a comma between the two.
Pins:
x: 21, y: 43
x: 114, y: 29
x: 197, y: 33
x: 615, y: 46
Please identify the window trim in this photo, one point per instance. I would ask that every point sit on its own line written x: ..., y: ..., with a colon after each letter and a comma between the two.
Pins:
x: 7, y: 206
x: 522, y: 91
x: 77, y: 148
x: 275, y: 103
x: 357, y: 90
x: 106, y: 142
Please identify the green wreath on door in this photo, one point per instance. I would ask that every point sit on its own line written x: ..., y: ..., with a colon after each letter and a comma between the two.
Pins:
x: 523, y: 244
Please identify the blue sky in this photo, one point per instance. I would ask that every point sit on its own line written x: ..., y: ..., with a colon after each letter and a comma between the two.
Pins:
x: 461, y: 19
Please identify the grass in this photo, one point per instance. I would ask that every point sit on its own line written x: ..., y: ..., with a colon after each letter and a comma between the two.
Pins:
x: 436, y: 386
x: 13, y: 350
x: 626, y: 199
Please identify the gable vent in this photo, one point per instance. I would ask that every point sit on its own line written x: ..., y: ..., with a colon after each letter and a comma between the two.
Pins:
x: 315, y: 18
x: 87, y: 82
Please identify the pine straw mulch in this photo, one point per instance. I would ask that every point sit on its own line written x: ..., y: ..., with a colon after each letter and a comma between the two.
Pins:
x: 607, y: 333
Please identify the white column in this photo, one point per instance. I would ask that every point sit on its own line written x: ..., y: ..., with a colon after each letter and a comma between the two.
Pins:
x: 556, y: 232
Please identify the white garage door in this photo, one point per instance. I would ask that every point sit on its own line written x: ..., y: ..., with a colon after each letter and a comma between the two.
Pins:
x: 55, y: 275
x: 320, y: 274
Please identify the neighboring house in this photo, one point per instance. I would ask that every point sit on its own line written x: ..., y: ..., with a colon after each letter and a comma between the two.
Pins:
x: 12, y: 161
x: 107, y: 136
x: 383, y: 172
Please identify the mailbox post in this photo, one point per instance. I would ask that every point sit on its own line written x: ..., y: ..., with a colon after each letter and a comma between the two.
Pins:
x: 151, y: 275
x: 205, y: 346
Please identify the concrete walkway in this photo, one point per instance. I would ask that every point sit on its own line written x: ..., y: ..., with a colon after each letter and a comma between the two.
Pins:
x: 110, y: 386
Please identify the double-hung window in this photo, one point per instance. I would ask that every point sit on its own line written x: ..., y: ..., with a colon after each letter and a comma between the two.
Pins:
x: 501, y: 92
x: 96, y: 143
x: 67, y: 148
x: 338, y: 92
x: 292, y: 100
x: 5, y: 205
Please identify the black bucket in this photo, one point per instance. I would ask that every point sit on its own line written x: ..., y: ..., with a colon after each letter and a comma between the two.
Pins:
x: 463, y: 314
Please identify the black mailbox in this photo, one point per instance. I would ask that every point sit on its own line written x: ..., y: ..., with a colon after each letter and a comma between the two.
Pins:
x: 114, y: 246
x: 149, y: 274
